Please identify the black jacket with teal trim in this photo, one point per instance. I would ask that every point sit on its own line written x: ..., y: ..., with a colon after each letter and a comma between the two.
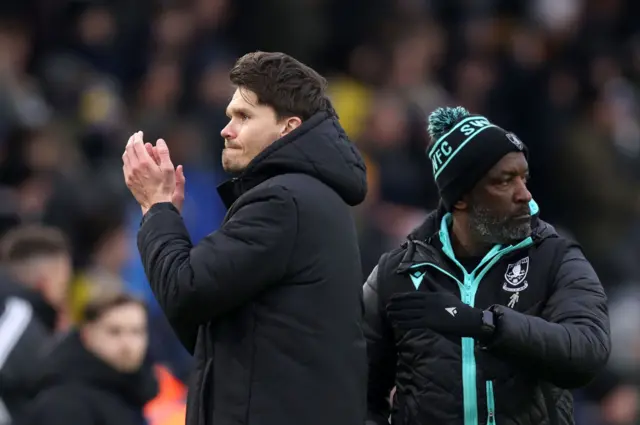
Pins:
x: 555, y: 338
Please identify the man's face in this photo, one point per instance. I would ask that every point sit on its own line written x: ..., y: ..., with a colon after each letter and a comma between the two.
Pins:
x: 49, y: 275
x: 252, y: 127
x: 119, y: 337
x: 57, y: 272
x: 498, y: 205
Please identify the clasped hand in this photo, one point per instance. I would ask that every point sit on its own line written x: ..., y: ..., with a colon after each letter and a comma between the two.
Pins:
x: 150, y: 174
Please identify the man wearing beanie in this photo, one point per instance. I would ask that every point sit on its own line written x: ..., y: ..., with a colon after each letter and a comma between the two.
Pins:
x: 485, y: 315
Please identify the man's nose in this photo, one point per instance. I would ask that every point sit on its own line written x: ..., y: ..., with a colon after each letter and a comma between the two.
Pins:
x: 227, y: 132
x: 522, y: 194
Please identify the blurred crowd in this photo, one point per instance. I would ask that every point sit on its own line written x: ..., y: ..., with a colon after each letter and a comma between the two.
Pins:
x: 78, y: 77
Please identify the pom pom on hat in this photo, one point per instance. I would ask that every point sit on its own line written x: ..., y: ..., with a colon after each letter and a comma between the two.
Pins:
x: 443, y: 119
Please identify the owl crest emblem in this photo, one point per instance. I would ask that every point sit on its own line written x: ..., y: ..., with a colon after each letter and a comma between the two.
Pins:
x: 515, y: 275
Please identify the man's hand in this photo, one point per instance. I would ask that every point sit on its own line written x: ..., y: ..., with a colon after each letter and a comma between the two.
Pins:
x: 441, y: 312
x: 150, y: 180
x: 177, y: 199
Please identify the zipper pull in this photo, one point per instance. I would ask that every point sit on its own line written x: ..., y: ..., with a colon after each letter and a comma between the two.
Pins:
x: 491, y: 420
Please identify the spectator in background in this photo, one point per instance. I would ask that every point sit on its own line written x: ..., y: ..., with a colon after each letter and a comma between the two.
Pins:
x: 97, y: 375
x: 33, y: 288
x: 617, y: 398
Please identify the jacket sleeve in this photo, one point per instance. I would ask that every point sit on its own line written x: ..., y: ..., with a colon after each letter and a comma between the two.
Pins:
x: 570, y: 343
x: 381, y: 352
x: 196, y: 284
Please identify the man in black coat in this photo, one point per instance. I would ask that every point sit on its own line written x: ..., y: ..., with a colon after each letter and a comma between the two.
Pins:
x: 485, y: 315
x: 269, y: 305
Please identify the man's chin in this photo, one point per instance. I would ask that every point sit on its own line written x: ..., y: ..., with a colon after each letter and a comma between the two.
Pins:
x: 232, y: 171
x: 520, y: 232
x: 128, y: 366
x: 232, y: 167
x: 509, y: 233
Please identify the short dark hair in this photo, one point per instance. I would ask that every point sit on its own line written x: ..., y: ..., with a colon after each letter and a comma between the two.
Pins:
x: 106, y: 301
x: 287, y: 85
x: 25, y: 242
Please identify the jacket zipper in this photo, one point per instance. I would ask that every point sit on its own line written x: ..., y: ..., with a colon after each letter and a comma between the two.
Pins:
x: 491, y: 408
x: 468, y: 350
x: 468, y: 291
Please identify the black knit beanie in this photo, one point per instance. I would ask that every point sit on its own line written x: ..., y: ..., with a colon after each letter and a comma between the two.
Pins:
x: 464, y: 147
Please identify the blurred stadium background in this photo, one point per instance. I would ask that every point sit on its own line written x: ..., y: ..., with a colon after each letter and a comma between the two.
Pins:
x: 78, y: 77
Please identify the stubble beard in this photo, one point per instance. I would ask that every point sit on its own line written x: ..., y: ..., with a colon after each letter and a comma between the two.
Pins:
x: 229, y: 165
x: 492, y: 228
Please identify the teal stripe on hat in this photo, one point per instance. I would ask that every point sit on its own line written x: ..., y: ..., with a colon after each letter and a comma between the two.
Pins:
x: 449, y: 153
x: 454, y: 128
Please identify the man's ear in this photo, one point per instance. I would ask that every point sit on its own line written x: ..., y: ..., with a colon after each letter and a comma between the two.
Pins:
x: 290, y: 124
x: 462, y: 204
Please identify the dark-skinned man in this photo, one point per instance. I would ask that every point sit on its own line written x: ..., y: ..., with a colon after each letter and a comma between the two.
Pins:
x: 485, y: 315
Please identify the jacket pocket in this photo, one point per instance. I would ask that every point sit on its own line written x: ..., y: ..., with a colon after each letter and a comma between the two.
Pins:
x: 491, y: 404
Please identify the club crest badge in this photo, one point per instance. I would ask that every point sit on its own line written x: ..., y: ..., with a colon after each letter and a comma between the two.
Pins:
x: 515, y: 276
x: 514, y: 139
x: 515, y: 280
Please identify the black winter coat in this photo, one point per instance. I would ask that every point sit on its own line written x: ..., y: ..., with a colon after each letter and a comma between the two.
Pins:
x: 27, y: 323
x: 270, y: 304
x: 78, y: 388
x: 554, y: 338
